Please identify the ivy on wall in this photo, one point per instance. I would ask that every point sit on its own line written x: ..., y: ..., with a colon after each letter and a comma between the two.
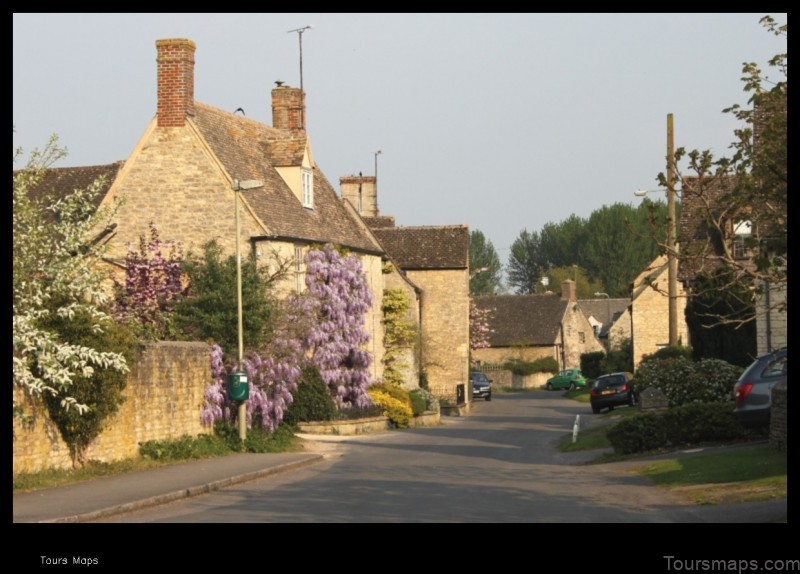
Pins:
x: 399, y: 334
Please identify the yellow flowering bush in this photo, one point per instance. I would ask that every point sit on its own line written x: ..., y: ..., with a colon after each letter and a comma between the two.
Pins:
x: 399, y: 413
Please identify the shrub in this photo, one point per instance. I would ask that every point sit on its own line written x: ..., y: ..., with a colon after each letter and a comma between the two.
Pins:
x: 591, y: 364
x: 418, y: 404
x: 620, y: 359
x: 431, y: 401
x: 392, y: 390
x: 312, y: 400
x: 542, y: 365
x: 683, y: 381
x: 398, y: 412
x: 669, y: 353
x: 639, y: 433
x: 701, y: 422
x: 679, y: 426
x: 185, y: 447
x: 99, y: 388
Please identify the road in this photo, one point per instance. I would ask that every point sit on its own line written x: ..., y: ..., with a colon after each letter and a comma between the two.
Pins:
x: 500, y: 464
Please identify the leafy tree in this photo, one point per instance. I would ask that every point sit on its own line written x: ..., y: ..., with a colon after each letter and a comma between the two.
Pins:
x: 525, y: 263
x: 732, y: 341
x: 585, y: 288
x: 562, y: 243
x: 209, y: 311
x: 484, y: 264
x: 620, y: 246
x: 153, y: 285
x: 56, y: 275
x: 749, y: 186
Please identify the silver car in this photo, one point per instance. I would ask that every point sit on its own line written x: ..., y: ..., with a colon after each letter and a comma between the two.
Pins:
x: 753, y: 390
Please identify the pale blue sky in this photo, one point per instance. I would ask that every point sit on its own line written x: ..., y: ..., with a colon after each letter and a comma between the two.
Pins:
x: 503, y: 122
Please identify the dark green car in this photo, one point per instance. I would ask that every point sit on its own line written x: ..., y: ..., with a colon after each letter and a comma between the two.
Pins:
x: 569, y: 379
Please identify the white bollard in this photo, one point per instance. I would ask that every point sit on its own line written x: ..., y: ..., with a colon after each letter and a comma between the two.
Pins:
x: 575, y: 428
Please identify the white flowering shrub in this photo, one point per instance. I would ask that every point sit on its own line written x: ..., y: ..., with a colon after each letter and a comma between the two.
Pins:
x: 684, y: 381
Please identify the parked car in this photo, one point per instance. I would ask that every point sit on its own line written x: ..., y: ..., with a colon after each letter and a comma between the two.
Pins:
x: 481, y: 386
x: 569, y: 379
x: 753, y: 390
x: 612, y: 390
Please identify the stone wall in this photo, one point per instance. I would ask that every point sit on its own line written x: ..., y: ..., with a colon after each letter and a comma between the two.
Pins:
x: 778, y: 417
x: 771, y: 324
x: 651, y: 319
x: 532, y: 381
x: 444, y: 311
x: 163, y: 398
x: 500, y: 355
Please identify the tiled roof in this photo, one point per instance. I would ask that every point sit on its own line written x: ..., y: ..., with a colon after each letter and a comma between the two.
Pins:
x: 62, y: 181
x: 379, y: 221
x: 533, y: 320
x: 429, y: 247
x: 251, y: 150
x: 601, y: 308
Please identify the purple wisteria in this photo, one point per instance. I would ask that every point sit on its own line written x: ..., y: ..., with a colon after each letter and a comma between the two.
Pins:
x: 339, y: 297
x: 271, y: 383
x: 323, y: 326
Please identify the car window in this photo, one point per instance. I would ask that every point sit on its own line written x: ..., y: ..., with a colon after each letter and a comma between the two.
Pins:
x: 775, y: 368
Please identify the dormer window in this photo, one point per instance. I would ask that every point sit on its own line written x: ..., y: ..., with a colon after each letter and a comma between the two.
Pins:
x: 742, y: 231
x: 308, y: 188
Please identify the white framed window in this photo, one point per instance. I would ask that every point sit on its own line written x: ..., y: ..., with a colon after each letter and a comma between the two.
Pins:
x: 742, y: 231
x: 308, y: 188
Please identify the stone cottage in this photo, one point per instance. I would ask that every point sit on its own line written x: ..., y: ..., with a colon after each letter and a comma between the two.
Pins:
x: 530, y: 327
x: 649, y: 311
x: 434, y: 260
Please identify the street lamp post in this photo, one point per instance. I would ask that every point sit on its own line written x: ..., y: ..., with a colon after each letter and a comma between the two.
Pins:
x: 237, y: 187
x: 672, y: 259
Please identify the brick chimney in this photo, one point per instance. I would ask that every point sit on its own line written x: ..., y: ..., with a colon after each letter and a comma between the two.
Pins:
x: 288, y: 109
x: 361, y: 191
x: 175, y: 81
x: 568, y: 290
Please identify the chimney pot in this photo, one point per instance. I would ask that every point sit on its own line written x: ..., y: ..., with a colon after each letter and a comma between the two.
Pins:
x: 175, y: 81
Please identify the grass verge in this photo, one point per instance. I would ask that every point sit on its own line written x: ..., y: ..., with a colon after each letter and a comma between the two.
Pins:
x: 743, y: 474
x: 737, y: 475
x: 225, y: 441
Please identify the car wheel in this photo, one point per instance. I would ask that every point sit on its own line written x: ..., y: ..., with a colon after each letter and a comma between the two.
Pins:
x: 596, y: 410
x: 572, y: 386
x: 488, y: 397
x: 549, y: 386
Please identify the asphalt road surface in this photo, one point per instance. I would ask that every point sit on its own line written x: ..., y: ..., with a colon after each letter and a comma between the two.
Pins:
x: 499, y: 464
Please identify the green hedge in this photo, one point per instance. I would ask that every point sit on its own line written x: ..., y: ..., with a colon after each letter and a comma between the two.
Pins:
x: 684, y: 381
x: 522, y: 368
x: 311, y: 400
x: 679, y: 426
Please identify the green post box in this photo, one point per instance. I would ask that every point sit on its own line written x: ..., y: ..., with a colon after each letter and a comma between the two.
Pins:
x: 238, y: 388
